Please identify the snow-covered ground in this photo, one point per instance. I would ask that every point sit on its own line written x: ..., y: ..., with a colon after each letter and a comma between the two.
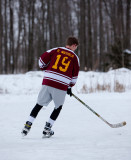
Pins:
x: 88, y: 82
x: 79, y: 134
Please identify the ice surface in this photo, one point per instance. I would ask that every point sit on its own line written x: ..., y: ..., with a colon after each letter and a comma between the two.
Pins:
x: 79, y: 134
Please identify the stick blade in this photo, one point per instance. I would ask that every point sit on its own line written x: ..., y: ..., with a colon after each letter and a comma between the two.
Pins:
x: 117, y: 125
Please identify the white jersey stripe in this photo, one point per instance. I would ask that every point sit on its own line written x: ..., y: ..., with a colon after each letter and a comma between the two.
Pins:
x: 73, y: 81
x: 75, y: 77
x: 58, y: 74
x: 40, y: 64
x: 56, y: 80
x: 56, y: 77
x: 51, y: 49
x: 42, y: 61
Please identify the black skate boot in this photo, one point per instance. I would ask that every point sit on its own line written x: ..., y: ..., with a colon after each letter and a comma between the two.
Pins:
x: 26, y: 128
x: 47, y: 133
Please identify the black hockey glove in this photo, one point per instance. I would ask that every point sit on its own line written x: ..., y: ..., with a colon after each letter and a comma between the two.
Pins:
x: 69, y: 92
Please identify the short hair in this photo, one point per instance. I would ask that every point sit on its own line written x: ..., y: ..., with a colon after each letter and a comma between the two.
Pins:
x: 72, y: 40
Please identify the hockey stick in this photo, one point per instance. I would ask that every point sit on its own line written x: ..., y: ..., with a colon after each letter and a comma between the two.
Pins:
x: 111, y: 125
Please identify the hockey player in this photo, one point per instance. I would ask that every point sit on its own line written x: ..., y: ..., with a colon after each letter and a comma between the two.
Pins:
x: 61, y: 67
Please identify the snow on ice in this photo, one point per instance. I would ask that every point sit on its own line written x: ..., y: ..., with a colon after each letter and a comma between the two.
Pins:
x: 79, y: 134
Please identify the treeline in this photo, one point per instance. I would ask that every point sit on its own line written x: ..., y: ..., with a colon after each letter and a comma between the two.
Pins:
x: 30, y: 27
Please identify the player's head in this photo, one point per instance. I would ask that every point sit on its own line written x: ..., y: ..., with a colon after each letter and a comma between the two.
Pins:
x: 72, y: 40
x: 72, y: 43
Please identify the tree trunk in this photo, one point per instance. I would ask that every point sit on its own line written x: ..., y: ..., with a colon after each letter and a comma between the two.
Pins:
x: 127, y: 39
x: 31, y: 11
x: 82, y: 36
x: 1, y: 37
x: 6, y: 56
x: 100, y: 35
x: 12, y: 55
x: 89, y: 38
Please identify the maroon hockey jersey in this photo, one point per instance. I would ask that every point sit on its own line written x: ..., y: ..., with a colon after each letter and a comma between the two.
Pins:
x: 61, y: 67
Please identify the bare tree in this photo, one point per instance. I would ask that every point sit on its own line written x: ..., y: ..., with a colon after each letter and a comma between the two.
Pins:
x: 11, y: 52
x: 82, y: 36
x: 89, y: 38
x: 100, y: 35
x: 1, y: 38
x: 127, y: 38
x: 6, y: 56
x: 30, y: 27
x: 31, y: 12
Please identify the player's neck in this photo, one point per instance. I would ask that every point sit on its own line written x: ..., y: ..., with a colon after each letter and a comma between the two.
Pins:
x: 70, y: 47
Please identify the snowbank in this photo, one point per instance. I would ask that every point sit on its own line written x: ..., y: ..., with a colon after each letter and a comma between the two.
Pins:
x: 29, y: 83
x: 112, y: 81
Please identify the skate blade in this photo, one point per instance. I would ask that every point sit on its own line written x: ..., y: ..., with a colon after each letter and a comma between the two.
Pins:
x: 46, y: 136
x: 23, y: 134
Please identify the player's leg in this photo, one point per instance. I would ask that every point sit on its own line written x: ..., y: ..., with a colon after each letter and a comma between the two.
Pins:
x: 31, y: 119
x: 44, y: 99
x: 58, y: 97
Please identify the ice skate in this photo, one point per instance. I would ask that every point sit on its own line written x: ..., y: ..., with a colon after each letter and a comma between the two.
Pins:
x: 26, y: 128
x: 47, y: 133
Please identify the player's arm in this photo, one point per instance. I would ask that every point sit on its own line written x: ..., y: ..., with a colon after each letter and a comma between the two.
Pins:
x: 75, y: 72
x: 74, y: 76
x: 45, y: 59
